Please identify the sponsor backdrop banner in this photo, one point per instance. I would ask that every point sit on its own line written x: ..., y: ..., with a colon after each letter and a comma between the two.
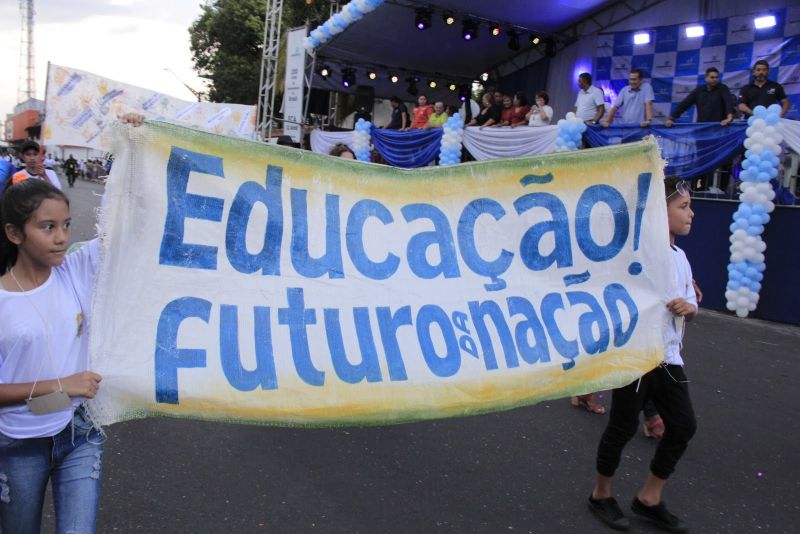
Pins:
x: 80, y: 107
x: 256, y: 283
x: 675, y: 64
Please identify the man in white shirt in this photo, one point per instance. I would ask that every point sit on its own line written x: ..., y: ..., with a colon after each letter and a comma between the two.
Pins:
x: 34, y: 166
x: 589, y: 106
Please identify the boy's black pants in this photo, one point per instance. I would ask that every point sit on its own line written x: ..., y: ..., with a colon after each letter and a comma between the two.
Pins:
x: 667, y: 387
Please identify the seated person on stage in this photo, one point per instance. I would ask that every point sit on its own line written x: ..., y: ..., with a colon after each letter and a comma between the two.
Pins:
x: 506, y: 112
x: 521, y: 109
x: 420, y: 114
x: 490, y: 114
x: 438, y: 117
x: 541, y: 114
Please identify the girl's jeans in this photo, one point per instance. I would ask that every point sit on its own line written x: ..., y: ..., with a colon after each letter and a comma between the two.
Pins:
x: 71, y: 459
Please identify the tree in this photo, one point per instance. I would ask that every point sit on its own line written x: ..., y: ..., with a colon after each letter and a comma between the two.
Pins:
x: 226, y: 42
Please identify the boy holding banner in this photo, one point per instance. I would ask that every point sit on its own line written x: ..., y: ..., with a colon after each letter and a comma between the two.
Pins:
x: 666, y: 386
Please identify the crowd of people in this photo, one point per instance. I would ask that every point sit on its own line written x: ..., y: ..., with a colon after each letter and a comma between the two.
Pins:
x: 633, y: 105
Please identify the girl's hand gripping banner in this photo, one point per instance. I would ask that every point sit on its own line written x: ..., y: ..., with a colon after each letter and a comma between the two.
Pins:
x: 247, y: 282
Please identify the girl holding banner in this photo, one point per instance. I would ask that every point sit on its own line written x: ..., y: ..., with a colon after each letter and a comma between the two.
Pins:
x: 46, y: 432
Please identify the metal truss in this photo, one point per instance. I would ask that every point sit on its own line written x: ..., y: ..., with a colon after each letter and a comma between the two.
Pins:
x: 269, y: 68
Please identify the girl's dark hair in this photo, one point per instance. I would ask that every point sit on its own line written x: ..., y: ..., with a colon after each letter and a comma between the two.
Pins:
x: 340, y: 149
x: 671, y: 185
x: 521, y: 98
x: 544, y: 96
x: 17, y: 205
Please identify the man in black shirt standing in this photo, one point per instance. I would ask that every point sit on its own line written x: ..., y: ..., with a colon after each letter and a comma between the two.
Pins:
x: 762, y: 92
x: 714, y: 104
x: 713, y: 101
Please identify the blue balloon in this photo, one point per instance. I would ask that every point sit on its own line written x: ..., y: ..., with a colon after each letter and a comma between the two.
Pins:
x: 757, y: 208
x: 760, y: 267
x: 759, y: 112
x: 765, y: 218
x: 734, y: 284
x: 744, y: 209
x: 754, y: 230
x: 772, y: 119
x: 735, y: 275
x: 751, y: 120
x: 774, y: 109
x: 772, y: 172
x: 733, y: 227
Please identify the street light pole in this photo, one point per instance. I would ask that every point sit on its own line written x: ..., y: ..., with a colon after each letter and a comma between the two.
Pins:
x: 196, y: 93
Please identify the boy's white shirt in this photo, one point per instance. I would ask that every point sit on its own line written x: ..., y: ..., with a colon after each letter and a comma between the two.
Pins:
x: 682, y: 288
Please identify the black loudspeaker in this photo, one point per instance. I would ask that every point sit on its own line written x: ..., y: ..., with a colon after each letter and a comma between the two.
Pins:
x: 318, y: 102
x: 365, y: 102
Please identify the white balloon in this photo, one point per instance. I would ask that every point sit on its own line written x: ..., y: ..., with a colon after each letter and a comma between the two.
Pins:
x: 731, y: 305
x: 776, y: 150
x: 570, y: 116
x: 741, y: 312
x: 759, y: 124
x: 752, y: 306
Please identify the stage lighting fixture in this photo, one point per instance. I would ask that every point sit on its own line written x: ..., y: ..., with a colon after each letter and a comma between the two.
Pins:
x: 324, y: 71
x: 695, y: 31
x: 463, y: 92
x: 448, y: 18
x: 535, y: 39
x: 422, y: 18
x: 432, y: 84
x: 495, y: 30
x: 372, y: 75
x: 767, y: 21
x: 394, y: 78
x: 469, y: 30
x: 348, y: 77
x: 641, y: 38
x: 550, y: 47
x: 412, y: 86
x: 452, y: 86
x: 513, y: 40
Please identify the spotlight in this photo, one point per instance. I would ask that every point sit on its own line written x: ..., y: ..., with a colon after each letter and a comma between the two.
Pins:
x: 641, y: 38
x: 324, y: 71
x: 452, y: 86
x: 422, y: 18
x: 535, y: 39
x: 448, y: 17
x: 695, y: 31
x: 348, y: 77
x: 463, y: 92
x: 469, y: 30
x: 495, y: 30
x: 767, y: 21
x: 550, y: 47
x: 432, y: 84
x: 412, y: 86
x: 372, y: 75
x: 394, y: 78
x: 513, y: 40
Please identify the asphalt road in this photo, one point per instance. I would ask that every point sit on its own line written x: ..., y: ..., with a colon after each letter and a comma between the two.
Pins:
x: 525, y: 470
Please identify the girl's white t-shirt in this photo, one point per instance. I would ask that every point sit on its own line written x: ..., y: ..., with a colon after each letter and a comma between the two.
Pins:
x: 536, y: 116
x: 64, y: 300
x: 673, y: 335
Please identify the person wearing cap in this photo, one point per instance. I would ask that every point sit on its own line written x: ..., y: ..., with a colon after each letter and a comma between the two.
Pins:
x: 34, y: 166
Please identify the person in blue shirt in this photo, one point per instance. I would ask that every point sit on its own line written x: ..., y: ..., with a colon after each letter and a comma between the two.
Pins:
x: 636, y: 101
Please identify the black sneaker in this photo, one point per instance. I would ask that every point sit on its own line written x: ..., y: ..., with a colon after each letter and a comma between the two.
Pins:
x: 609, y: 512
x: 659, y: 516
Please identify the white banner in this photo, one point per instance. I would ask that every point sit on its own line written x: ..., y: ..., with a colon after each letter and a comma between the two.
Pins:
x: 249, y: 282
x: 80, y: 107
x: 293, y: 85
